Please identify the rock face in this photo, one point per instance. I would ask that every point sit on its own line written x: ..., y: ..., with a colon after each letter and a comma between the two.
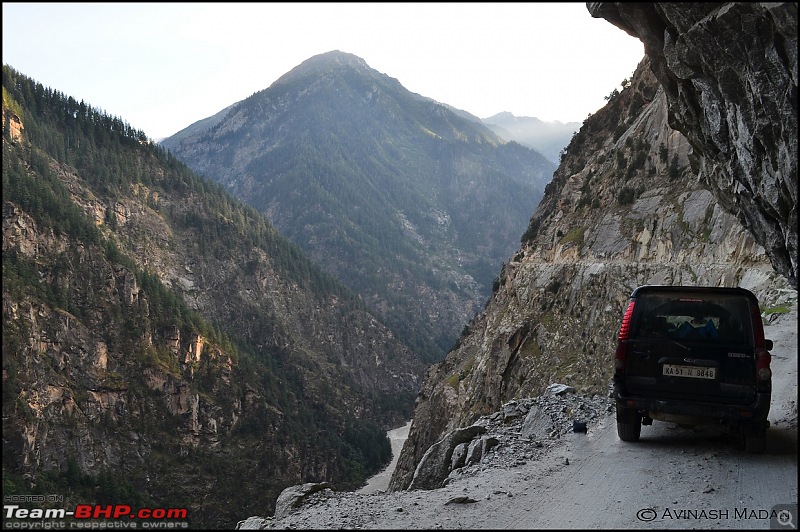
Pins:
x: 14, y: 125
x: 439, y: 459
x: 293, y: 496
x: 625, y: 208
x: 729, y: 71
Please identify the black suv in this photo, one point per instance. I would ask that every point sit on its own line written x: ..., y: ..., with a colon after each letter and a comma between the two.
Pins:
x: 693, y: 355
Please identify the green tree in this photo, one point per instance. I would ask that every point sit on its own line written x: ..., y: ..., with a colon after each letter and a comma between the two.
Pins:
x: 674, y: 169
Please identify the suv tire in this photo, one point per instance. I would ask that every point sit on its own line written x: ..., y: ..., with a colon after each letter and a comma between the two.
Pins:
x: 755, y: 441
x: 629, y: 424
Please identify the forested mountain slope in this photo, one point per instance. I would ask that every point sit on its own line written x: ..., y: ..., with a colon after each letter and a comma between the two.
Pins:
x: 163, y: 345
x: 409, y: 204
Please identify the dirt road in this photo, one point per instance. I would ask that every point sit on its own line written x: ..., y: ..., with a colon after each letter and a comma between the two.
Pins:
x: 673, y: 478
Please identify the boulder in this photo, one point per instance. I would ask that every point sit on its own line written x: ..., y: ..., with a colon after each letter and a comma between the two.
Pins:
x: 537, y: 424
x: 292, y: 497
x: 558, y: 389
x: 436, y: 463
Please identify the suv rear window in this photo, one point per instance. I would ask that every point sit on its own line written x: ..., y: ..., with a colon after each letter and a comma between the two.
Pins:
x: 720, y: 318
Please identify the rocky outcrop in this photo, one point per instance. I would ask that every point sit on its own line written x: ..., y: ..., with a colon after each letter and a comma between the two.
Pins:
x: 625, y: 208
x: 438, y: 460
x: 729, y: 72
x: 292, y: 497
x: 13, y: 124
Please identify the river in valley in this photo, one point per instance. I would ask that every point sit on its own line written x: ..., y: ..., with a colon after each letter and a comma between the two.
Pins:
x: 380, y: 482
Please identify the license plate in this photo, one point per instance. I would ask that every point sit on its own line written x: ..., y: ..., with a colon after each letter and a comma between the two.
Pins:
x: 697, y: 372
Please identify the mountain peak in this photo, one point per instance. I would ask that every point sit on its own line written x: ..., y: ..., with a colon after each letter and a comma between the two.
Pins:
x: 504, y: 115
x: 507, y: 117
x: 326, y: 62
x: 373, y: 180
x: 338, y: 57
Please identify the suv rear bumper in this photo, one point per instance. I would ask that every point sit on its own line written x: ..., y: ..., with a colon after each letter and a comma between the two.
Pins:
x: 755, y: 412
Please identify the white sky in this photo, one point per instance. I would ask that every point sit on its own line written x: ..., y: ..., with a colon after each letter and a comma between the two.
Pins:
x: 163, y: 66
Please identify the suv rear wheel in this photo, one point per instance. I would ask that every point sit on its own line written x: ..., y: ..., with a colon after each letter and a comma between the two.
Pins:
x: 629, y: 424
x: 755, y: 439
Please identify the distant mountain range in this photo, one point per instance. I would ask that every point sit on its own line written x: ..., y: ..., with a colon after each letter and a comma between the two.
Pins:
x: 410, y: 204
x: 548, y: 138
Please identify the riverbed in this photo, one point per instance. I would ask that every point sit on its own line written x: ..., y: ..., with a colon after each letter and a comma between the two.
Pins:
x: 380, y: 482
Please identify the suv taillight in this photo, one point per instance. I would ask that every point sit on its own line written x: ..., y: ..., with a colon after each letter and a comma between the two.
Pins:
x: 763, y: 358
x: 763, y: 372
x: 622, y: 343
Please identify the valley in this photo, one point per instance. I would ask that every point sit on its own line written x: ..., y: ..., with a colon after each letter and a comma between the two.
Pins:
x: 674, y: 478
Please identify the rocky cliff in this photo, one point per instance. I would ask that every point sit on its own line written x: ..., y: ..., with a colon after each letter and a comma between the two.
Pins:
x: 729, y: 72
x: 626, y: 207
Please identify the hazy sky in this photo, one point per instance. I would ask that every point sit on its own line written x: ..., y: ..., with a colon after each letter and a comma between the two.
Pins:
x: 162, y: 66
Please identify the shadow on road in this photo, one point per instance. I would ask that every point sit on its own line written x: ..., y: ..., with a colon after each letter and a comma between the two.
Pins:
x: 781, y: 440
